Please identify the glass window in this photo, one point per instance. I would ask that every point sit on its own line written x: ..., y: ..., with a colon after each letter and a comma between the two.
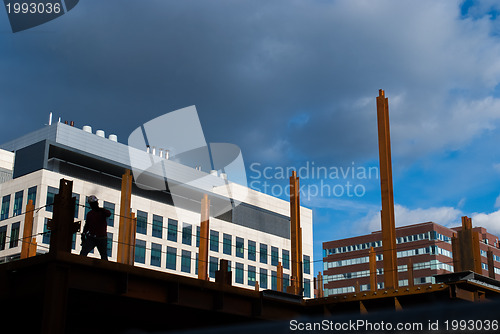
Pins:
x: 196, y: 265
x: 18, y: 203
x: 51, y: 193
x: 110, y: 244
x: 4, y: 214
x: 239, y: 273
x: 197, y: 236
x: 307, y: 264
x: 274, y: 280
x: 156, y: 255
x: 274, y: 256
x: 240, y: 245
x: 111, y: 208
x: 286, y: 259
x: 142, y: 222
x: 3, y: 236
x: 187, y: 235
x: 252, y: 250
x: 46, y: 233
x: 32, y: 195
x: 227, y: 244
x: 172, y: 230
x: 157, y: 226
x: 140, y: 251
x: 186, y: 261
x: 251, y: 275
x: 213, y: 266
x: 263, y: 253
x: 87, y: 207
x: 307, y: 288
x: 286, y: 281
x: 14, y: 235
x: 214, y: 241
x: 263, y: 278
x: 171, y: 257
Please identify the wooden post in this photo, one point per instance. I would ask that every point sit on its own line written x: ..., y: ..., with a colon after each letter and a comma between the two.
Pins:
x: 373, y: 269
x: 223, y: 275
x: 319, y: 286
x: 466, y: 251
x: 125, y: 228
x: 411, y: 280
x: 28, y: 247
x: 295, y: 236
x: 280, y: 276
x: 204, y: 228
x: 386, y: 187
x: 491, y: 264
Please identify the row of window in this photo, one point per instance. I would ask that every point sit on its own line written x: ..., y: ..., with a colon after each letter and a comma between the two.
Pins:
x: 349, y: 262
x: 366, y: 287
x: 14, y: 236
x: 18, y: 202
x: 433, y: 250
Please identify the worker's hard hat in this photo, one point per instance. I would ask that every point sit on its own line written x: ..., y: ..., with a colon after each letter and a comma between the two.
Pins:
x: 92, y: 199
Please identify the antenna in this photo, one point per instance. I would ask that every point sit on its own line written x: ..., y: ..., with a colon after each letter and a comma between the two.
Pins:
x: 50, y: 118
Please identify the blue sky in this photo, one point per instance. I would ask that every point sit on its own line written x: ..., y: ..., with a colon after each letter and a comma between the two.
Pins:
x: 291, y: 83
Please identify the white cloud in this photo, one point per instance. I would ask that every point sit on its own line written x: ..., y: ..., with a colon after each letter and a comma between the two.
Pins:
x: 491, y: 221
x: 497, y: 202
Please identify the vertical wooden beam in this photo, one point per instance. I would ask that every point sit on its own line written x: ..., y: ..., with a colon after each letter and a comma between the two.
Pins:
x: 491, y: 264
x: 62, y: 225
x: 131, y: 239
x: 123, y: 251
x: 362, y: 308
x: 455, y: 249
x: 357, y: 288
x: 387, y: 213
x: 27, y: 240
x: 373, y: 269
x: 397, y: 304
x: 279, y: 279
x: 223, y: 275
x: 411, y: 280
x: 257, y: 288
x: 467, y: 247
x: 319, y: 285
x: 204, y: 228
x: 295, y: 236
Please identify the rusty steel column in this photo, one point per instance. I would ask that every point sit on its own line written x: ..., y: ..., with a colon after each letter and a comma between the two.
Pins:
x: 466, y: 252
x: 411, y: 280
x: 387, y: 213
x: 279, y: 279
x: 62, y: 225
x: 204, y: 228
x: 123, y: 251
x: 223, y: 275
x: 295, y: 236
x: 319, y: 285
x: 28, y: 247
x: 131, y: 239
x: 491, y: 264
x: 373, y: 269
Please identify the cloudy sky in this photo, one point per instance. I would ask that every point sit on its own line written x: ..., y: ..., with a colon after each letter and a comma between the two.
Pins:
x: 293, y: 84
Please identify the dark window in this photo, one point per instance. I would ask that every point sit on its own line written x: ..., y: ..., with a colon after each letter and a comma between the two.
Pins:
x: 286, y: 281
x: 274, y: 256
x: 172, y: 230
x: 187, y: 235
x: 227, y: 240
x: 213, y: 266
x: 197, y: 236
x: 18, y: 203
x: 171, y: 257
x: 46, y: 233
x: 186, y: 261
x: 239, y: 273
x: 14, y: 235
x: 263, y: 278
x: 51, y: 193
x: 307, y: 288
x: 3, y: 236
x: 157, y: 226
x: 263, y: 253
x: 32, y: 195
x: 110, y: 244
x: 252, y: 250
x: 251, y: 275
x: 111, y: 208
x: 140, y: 251
x: 274, y: 280
x: 240, y: 245
x: 196, y: 265
x: 156, y: 255
x: 286, y: 259
x: 214, y: 241
x: 142, y: 222
x: 4, y: 214
x: 307, y: 264
x: 77, y: 206
x: 87, y: 207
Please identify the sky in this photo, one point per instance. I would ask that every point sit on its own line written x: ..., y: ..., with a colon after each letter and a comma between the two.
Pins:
x: 292, y: 83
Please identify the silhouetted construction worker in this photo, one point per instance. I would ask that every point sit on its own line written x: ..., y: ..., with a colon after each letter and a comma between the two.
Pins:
x: 95, y: 231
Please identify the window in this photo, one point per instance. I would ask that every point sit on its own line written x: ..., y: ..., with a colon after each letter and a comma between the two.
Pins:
x: 286, y: 259
x: 156, y: 255
x: 227, y: 239
x: 18, y: 203
x: 51, y: 193
x: 307, y: 264
x: 197, y: 236
x: 111, y: 207
x: 240, y: 247
x: 32, y: 195
x: 186, y: 261
x: 171, y: 257
x: 142, y: 222
x: 274, y: 280
x: 157, y: 226
x: 213, y: 266
x: 140, y: 251
x: 239, y: 273
x: 274, y: 256
x: 252, y: 249
x: 46, y: 232
x: 77, y: 202
x: 187, y: 234
x: 172, y: 230
x: 214, y: 241
x: 251, y: 275
x: 263, y: 253
x: 263, y: 278
x: 87, y: 207
x: 307, y: 288
x: 4, y: 214
x: 196, y: 265
x: 3, y: 237
x: 14, y: 235
x: 286, y: 281
x: 110, y: 244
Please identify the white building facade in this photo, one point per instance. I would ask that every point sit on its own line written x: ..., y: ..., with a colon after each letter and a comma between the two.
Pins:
x: 254, y: 235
